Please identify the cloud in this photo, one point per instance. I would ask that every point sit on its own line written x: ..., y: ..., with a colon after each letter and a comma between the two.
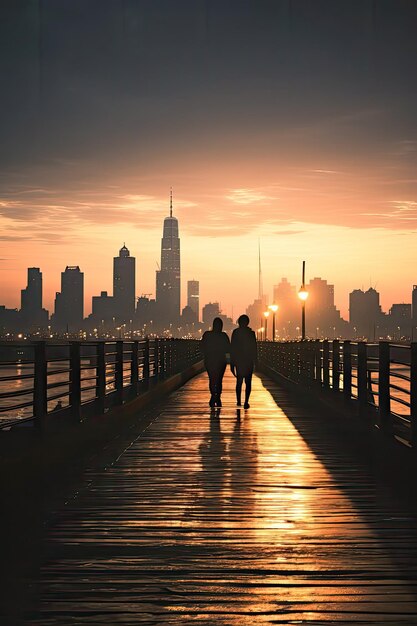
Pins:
x: 247, y: 196
x: 288, y: 232
x: 326, y: 171
x: 342, y: 197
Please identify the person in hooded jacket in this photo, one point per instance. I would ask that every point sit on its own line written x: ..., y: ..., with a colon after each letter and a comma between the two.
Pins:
x: 215, y: 347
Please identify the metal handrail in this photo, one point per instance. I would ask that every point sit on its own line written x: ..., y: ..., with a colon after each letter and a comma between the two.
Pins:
x: 346, y: 368
x: 117, y: 369
x: 14, y: 394
x: 398, y: 388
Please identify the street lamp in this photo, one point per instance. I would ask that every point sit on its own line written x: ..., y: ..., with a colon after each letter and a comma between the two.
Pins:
x: 303, y: 295
x: 266, y: 315
x: 274, y: 309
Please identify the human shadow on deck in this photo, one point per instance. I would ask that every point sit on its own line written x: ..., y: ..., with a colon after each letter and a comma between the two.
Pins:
x: 354, y: 461
x: 229, y: 462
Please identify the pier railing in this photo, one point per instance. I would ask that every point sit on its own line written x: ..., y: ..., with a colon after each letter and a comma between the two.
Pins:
x: 42, y: 379
x: 376, y: 378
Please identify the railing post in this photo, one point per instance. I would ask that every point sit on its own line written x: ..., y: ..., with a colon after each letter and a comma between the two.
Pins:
x: 146, y: 364
x: 335, y: 366
x: 75, y: 379
x: 318, y: 365
x: 384, y: 384
x: 347, y: 370
x: 326, y: 373
x: 119, y: 372
x: 161, y: 355
x: 156, y: 358
x: 413, y: 394
x: 40, y: 391
x: 169, y: 360
x: 134, y: 368
x: 296, y: 361
x: 362, y: 376
x: 101, y: 375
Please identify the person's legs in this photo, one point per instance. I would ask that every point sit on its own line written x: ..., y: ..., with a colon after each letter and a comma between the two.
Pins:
x: 248, y: 387
x: 239, y: 381
x: 218, y: 380
x: 212, y: 385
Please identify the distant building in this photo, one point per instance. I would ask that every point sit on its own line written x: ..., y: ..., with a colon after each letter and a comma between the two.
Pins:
x: 414, y: 314
x: 9, y: 320
x: 323, y: 319
x: 188, y: 316
x: 32, y: 315
x: 210, y: 311
x: 400, y: 320
x: 193, y: 297
x: 255, y: 312
x: 69, y: 302
x: 365, y: 313
x: 414, y: 305
x: 124, y: 285
x: 103, y: 307
x: 146, y: 315
x: 168, y: 278
x: 288, y: 316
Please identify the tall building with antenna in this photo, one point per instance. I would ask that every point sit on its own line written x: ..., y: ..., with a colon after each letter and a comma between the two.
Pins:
x: 168, y: 277
x: 256, y: 310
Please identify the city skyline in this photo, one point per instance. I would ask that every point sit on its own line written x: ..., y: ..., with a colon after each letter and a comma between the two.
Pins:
x: 271, y: 120
x: 104, y: 281
x: 321, y: 297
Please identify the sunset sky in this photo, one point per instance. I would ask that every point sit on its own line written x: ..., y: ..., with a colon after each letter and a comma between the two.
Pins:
x: 289, y: 121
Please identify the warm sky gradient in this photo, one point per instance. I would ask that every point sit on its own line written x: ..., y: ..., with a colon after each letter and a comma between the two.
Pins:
x: 290, y: 121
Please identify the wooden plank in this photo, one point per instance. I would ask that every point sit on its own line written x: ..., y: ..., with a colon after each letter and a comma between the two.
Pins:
x: 229, y: 518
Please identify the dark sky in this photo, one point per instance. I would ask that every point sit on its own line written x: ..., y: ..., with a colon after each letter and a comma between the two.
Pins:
x: 119, y: 77
x: 289, y: 120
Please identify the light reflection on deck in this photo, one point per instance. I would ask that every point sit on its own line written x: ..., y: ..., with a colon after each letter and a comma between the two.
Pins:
x: 228, y: 519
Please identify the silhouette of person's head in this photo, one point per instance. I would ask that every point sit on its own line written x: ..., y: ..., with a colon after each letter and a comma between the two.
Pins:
x: 243, y: 321
x: 217, y: 325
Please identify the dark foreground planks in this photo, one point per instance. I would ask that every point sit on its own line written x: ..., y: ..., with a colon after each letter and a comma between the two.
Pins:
x: 228, y: 520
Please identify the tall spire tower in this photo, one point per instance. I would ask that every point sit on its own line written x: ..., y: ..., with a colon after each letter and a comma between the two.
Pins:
x: 260, y: 285
x: 168, y: 278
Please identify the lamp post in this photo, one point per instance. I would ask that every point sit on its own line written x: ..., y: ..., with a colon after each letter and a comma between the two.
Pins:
x: 266, y: 315
x: 303, y: 295
x: 274, y: 309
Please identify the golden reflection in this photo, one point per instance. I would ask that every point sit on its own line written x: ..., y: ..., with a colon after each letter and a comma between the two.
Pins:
x: 264, y: 519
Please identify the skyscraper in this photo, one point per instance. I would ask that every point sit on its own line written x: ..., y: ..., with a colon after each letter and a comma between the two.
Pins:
x: 168, y: 278
x: 69, y: 303
x: 193, y: 297
x: 31, y: 312
x: 365, y: 313
x: 124, y: 285
x: 289, y: 314
x: 414, y: 305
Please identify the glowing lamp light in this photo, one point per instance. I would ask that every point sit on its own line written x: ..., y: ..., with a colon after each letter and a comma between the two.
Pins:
x: 266, y: 314
x: 303, y: 294
x: 273, y: 307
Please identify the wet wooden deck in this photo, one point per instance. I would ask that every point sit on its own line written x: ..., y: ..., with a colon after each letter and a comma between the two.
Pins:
x: 229, y: 519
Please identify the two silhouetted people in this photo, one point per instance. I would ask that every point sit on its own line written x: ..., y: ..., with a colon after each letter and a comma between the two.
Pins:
x: 216, y: 346
x: 243, y: 358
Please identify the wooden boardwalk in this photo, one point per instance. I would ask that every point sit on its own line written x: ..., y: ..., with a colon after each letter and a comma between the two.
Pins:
x: 229, y: 519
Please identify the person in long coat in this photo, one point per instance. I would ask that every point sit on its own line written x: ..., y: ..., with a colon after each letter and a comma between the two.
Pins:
x: 243, y: 358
